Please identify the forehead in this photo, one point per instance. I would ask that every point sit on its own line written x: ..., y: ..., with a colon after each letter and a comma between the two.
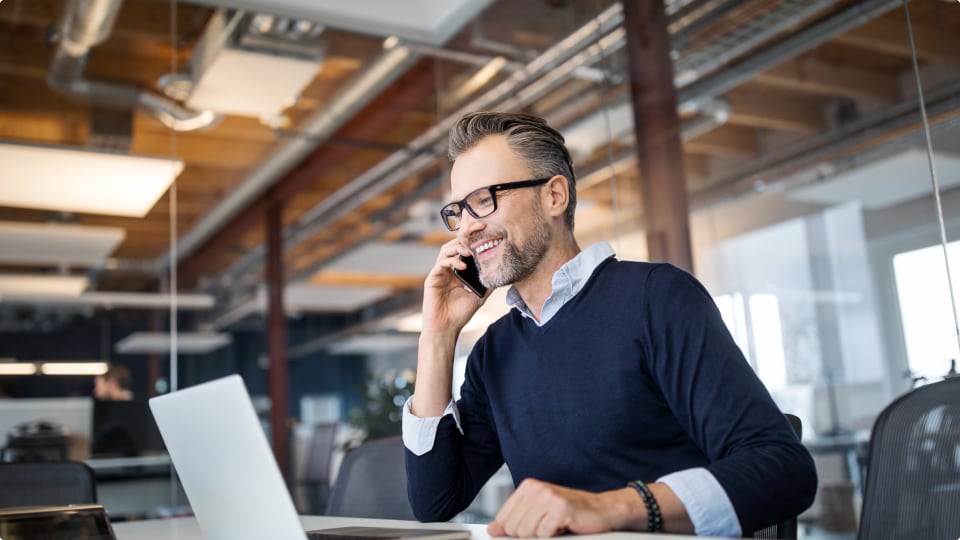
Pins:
x: 489, y: 162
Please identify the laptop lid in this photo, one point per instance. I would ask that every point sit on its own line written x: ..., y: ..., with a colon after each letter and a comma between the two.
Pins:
x: 227, y: 468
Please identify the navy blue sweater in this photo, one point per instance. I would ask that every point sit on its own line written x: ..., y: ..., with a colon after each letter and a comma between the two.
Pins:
x: 634, y: 378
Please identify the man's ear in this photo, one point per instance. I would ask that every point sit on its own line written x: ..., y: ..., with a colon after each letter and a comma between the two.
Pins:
x: 558, y: 195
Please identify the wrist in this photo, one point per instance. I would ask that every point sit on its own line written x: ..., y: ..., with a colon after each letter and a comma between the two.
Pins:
x: 653, y: 521
x: 625, y: 510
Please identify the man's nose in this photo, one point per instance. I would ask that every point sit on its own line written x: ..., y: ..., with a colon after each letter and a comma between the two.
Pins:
x: 469, y: 225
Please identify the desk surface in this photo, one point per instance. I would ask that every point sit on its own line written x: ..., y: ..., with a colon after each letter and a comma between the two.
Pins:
x: 187, y: 529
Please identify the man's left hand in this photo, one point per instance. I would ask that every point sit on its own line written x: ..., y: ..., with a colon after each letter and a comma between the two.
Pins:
x: 541, y: 509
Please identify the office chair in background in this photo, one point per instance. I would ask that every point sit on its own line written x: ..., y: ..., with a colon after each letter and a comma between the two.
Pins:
x: 46, y: 483
x: 786, y: 529
x: 316, y: 477
x: 913, y: 469
x: 372, y: 482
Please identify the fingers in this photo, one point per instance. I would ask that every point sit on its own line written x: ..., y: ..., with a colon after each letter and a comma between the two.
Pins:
x: 536, y: 509
x: 450, y: 254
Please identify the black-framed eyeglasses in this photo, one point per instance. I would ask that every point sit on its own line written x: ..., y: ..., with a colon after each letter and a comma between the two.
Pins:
x: 481, y: 202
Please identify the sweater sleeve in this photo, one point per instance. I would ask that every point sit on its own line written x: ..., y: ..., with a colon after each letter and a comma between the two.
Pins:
x: 443, y: 481
x: 718, y: 399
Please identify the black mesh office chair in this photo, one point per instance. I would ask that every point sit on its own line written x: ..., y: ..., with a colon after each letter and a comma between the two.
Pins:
x: 913, y: 470
x: 785, y: 529
x: 316, y: 477
x: 46, y: 483
x: 372, y: 482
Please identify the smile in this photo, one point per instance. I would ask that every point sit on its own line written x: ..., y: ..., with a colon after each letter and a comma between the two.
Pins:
x: 488, y: 245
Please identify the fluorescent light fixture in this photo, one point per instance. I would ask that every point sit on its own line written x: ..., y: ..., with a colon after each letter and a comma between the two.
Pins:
x: 374, y: 344
x: 113, y: 300
x: 226, y: 86
x: 72, y: 180
x: 55, y: 243
x: 17, y: 368
x: 73, y: 368
x: 430, y: 21
x: 43, y: 285
x: 160, y: 343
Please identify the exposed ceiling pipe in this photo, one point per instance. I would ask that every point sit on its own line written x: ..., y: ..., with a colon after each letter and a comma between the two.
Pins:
x: 86, y: 24
x: 804, y: 40
x: 745, y: 36
x: 551, y: 66
x: 785, y: 167
x: 321, y: 125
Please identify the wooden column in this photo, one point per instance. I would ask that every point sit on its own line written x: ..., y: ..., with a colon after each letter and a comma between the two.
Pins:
x: 277, y: 373
x: 657, y: 127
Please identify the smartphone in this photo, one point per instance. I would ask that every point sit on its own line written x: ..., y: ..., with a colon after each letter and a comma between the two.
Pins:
x: 471, y: 276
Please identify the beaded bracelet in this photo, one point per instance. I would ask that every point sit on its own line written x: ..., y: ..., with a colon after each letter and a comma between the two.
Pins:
x: 654, y: 520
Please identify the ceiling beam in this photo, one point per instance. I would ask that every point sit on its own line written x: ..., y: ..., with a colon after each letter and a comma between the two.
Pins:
x: 889, y: 36
x: 813, y: 76
x: 770, y: 110
x: 726, y: 141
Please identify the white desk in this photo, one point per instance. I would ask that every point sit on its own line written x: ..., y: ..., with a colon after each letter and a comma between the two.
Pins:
x: 187, y: 529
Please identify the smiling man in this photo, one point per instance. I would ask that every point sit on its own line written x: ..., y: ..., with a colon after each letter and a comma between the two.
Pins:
x: 612, y: 390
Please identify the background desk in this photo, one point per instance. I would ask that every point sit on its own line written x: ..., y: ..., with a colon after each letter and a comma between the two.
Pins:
x: 135, y: 487
x: 187, y: 529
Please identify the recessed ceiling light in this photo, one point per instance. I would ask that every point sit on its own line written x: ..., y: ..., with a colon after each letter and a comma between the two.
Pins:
x: 71, y: 286
x: 72, y: 180
x: 160, y: 342
x: 10, y: 367
x: 73, y: 368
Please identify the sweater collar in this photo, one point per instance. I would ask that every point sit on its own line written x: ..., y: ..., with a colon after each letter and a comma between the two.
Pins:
x: 568, y: 280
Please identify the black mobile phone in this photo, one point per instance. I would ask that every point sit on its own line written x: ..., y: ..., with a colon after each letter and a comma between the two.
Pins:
x: 471, y: 276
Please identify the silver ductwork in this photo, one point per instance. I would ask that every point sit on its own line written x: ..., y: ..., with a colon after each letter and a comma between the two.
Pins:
x: 86, y: 24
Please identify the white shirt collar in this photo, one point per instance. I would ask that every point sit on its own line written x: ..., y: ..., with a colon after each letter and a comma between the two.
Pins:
x: 568, y: 280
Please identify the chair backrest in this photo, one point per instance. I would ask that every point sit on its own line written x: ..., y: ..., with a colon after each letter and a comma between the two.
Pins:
x: 788, y: 528
x: 372, y: 482
x: 316, y: 476
x: 912, y: 487
x: 46, y: 483
x: 320, y: 453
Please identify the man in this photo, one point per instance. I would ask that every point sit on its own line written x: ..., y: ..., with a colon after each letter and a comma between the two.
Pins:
x: 113, y: 385
x: 612, y: 390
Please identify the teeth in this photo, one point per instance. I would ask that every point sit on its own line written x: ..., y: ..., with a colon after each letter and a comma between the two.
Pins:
x: 487, y: 245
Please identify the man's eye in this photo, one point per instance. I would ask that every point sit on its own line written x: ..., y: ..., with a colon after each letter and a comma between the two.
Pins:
x: 483, y: 199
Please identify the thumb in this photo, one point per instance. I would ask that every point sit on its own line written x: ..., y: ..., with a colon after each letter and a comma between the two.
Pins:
x: 496, y: 529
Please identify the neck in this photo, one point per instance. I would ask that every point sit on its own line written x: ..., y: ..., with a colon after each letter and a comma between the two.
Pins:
x: 539, y: 286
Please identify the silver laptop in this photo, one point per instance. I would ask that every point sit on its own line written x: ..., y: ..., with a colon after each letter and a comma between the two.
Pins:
x: 228, y: 472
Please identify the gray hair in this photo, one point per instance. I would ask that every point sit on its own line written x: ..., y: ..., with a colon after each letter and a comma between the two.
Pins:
x: 538, y: 145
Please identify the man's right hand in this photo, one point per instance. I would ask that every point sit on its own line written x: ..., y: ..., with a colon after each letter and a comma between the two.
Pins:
x: 447, y: 304
x: 447, y: 308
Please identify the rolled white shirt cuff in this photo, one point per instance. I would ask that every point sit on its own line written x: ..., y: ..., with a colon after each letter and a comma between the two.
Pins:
x: 707, y: 504
x: 419, y: 434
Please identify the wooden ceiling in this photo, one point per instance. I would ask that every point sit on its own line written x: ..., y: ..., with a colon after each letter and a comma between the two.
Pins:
x: 862, y: 70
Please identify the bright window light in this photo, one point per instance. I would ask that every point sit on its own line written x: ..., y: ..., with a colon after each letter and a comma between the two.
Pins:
x: 72, y: 180
x: 768, y: 340
x: 73, y: 368
x: 731, y: 310
x: 925, y: 311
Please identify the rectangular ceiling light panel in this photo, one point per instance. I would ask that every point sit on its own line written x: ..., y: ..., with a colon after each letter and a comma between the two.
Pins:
x: 72, y: 180
x: 161, y: 342
x: 42, y: 285
x: 251, y: 83
x: 430, y: 21
x: 53, y: 243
